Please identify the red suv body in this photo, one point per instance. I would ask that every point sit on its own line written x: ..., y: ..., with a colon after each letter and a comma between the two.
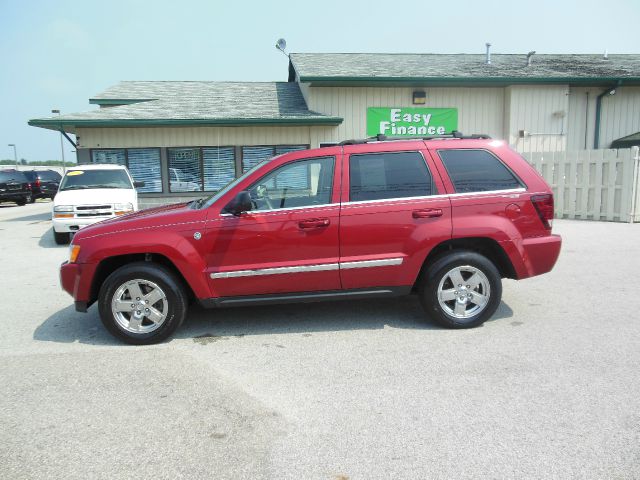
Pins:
x: 443, y: 218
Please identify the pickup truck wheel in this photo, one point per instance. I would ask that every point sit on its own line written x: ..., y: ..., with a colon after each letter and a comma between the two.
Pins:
x: 61, y: 238
x: 461, y: 290
x: 142, y: 303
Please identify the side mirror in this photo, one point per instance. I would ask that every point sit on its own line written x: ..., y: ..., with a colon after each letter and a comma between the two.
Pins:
x: 242, y: 203
x: 138, y: 184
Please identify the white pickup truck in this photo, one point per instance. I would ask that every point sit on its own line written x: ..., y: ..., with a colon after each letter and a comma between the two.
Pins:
x: 89, y: 194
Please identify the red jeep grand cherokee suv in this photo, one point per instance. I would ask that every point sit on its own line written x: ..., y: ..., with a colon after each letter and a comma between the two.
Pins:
x: 445, y: 218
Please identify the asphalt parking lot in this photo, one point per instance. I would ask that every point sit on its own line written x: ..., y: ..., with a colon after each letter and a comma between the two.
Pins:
x: 549, y: 388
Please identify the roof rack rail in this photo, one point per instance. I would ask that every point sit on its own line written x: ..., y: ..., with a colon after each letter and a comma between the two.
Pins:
x: 383, y: 138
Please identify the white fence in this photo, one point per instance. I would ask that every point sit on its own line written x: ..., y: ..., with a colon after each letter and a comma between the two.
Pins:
x: 592, y: 184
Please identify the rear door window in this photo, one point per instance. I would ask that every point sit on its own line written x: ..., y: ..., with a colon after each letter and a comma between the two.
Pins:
x: 378, y: 176
x: 477, y: 171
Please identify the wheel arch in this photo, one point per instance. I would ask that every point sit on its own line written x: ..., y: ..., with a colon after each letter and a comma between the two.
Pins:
x: 110, y: 264
x: 481, y: 245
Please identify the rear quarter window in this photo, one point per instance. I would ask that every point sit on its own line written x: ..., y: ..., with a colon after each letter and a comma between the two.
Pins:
x: 477, y: 171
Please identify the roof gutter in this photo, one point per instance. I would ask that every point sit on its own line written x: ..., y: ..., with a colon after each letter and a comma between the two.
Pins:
x: 596, y: 133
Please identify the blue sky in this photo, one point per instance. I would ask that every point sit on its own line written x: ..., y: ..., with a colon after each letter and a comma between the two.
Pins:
x: 56, y: 54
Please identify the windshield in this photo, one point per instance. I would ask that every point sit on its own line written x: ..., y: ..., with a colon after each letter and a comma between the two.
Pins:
x: 214, y: 198
x: 83, y: 179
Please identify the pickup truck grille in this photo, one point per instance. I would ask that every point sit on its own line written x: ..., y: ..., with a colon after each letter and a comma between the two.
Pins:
x: 93, y: 211
x: 93, y: 207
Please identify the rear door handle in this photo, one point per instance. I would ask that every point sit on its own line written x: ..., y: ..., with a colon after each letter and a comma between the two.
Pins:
x: 314, y: 223
x: 427, y: 213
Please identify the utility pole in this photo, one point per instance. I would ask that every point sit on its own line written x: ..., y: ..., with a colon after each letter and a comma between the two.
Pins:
x: 64, y: 168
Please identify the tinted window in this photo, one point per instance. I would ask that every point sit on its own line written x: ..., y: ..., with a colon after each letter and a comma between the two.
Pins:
x: 31, y: 176
x: 49, y: 176
x: 83, y: 179
x: 477, y: 171
x: 13, y: 176
x: 375, y: 176
x: 297, y: 184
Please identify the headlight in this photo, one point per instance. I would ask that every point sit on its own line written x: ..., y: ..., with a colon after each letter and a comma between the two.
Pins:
x: 74, y: 251
x: 63, y: 208
x: 122, y: 208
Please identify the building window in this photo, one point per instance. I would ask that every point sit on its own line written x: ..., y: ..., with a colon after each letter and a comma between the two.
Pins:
x: 143, y: 165
x: 219, y: 167
x: 251, y: 156
x: 376, y: 176
x: 185, y: 170
x: 477, y: 171
x: 112, y: 156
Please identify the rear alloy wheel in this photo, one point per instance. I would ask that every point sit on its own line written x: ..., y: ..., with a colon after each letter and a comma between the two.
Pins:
x: 61, y: 238
x: 31, y: 199
x: 461, y: 290
x: 142, y: 303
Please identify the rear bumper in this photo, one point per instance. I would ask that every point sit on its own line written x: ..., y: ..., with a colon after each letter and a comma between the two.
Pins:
x: 13, y: 196
x: 541, y: 254
x: 76, y: 279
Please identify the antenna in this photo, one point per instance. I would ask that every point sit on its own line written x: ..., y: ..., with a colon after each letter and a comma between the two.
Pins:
x: 281, y: 45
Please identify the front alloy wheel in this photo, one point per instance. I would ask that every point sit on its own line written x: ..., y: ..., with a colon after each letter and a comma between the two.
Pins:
x: 139, y: 306
x: 142, y: 303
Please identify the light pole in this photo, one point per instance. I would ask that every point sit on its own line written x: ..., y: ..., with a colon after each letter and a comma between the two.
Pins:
x: 64, y: 168
x: 15, y: 155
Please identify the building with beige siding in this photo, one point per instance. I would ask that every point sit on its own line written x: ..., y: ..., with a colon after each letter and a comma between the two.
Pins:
x: 184, y: 138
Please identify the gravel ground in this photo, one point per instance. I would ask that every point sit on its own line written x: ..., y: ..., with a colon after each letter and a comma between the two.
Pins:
x: 549, y: 388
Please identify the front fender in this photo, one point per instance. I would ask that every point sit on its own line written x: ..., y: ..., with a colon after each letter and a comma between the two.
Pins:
x: 178, y: 245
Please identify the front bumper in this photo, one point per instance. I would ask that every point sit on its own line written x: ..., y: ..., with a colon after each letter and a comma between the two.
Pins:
x: 64, y: 225
x: 76, y: 280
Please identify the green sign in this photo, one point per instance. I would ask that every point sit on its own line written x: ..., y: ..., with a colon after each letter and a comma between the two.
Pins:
x: 406, y: 121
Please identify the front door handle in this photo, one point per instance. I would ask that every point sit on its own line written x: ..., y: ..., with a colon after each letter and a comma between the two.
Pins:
x: 314, y: 223
x: 427, y: 213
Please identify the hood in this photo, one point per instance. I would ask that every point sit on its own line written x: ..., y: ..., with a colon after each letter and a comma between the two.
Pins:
x: 150, y: 218
x: 93, y: 196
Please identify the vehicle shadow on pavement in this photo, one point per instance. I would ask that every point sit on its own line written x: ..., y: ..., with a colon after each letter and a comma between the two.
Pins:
x: 38, y: 217
x: 69, y: 326
x: 46, y: 240
x: 402, y: 313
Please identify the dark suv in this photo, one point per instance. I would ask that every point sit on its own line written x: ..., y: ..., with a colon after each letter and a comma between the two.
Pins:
x: 443, y: 218
x: 14, y: 187
x: 44, y: 183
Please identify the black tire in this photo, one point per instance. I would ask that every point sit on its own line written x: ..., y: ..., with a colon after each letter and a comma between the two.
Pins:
x: 175, y: 298
x: 22, y: 201
x: 470, y: 263
x: 61, y: 238
x: 31, y: 199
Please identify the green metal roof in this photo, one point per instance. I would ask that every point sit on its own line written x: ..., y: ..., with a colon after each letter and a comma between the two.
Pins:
x: 193, y: 103
x: 627, y: 142
x: 462, y: 69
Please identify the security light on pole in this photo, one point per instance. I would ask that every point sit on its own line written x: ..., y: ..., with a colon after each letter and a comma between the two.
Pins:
x: 64, y: 168
x: 15, y: 155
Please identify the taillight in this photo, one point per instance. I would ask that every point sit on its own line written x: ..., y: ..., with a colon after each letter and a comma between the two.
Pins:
x: 544, y: 207
x: 37, y: 182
